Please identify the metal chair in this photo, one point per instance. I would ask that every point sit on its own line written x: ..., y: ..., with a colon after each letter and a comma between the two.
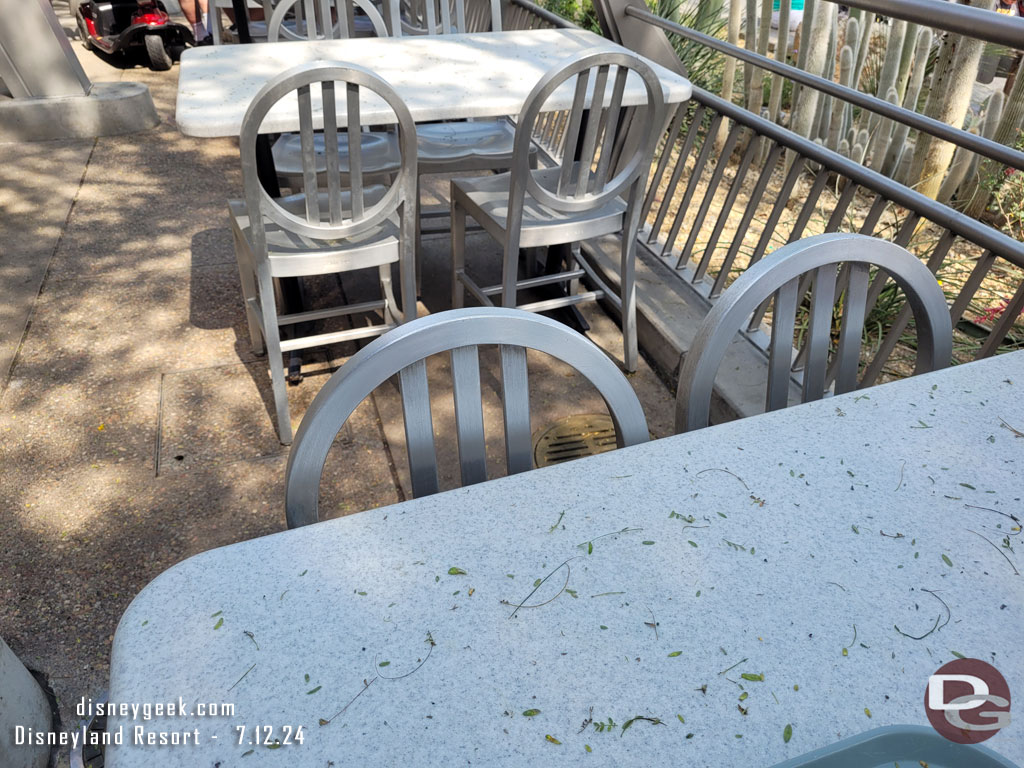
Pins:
x: 330, y: 20
x: 325, y: 20
x: 596, y: 190
x: 325, y: 228
x: 785, y: 277
x: 404, y: 350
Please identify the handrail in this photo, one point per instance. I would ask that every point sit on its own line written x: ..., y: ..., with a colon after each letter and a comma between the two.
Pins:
x: 986, y: 147
x: 951, y: 219
x: 984, y: 25
x: 544, y: 13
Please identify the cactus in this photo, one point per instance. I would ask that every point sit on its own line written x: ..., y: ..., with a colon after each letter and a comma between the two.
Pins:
x: 882, y: 132
x: 1006, y: 133
x: 887, y: 81
x: 801, y: 57
x: 816, y: 41
x: 965, y: 162
x: 750, y: 43
x: 948, y: 100
x: 781, y: 51
x: 844, y: 148
x: 729, y: 69
x: 906, y: 58
x: 828, y: 72
x: 899, y: 137
x: 839, y: 107
x: 862, y: 48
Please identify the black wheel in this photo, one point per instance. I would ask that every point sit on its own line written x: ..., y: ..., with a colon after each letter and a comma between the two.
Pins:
x: 159, y: 59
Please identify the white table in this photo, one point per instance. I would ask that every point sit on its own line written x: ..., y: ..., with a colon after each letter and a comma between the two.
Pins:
x: 761, y: 546
x: 440, y: 77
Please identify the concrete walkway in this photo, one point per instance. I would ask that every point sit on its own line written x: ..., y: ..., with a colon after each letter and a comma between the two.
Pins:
x: 135, y: 426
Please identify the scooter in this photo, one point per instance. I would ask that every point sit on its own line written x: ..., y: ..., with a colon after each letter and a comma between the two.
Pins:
x: 120, y: 26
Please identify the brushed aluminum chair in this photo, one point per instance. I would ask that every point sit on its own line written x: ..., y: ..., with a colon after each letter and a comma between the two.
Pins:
x: 325, y: 20
x: 784, y: 278
x: 330, y: 20
x: 596, y: 190
x: 326, y: 228
x: 404, y: 350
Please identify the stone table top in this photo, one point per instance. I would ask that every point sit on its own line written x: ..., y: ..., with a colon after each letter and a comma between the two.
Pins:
x: 440, y: 77
x: 678, y: 602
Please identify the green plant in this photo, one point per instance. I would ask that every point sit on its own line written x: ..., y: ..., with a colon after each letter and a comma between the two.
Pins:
x: 579, y: 12
x: 703, y: 65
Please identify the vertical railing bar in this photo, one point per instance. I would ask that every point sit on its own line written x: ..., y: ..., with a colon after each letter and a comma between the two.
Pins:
x: 809, y: 206
x: 836, y: 219
x: 677, y: 171
x: 730, y: 200
x: 748, y: 214
x: 666, y: 154
x: 709, y: 196
x: 892, y: 337
x: 691, y: 186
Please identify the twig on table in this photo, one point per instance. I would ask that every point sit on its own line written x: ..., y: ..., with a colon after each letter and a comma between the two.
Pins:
x: 653, y: 623
x: 732, y: 667
x: 342, y: 710
x: 250, y: 669
x: 538, y: 605
x: 430, y: 640
x: 541, y: 583
x: 997, y: 549
x: 1016, y: 432
x: 719, y: 469
x: 899, y: 485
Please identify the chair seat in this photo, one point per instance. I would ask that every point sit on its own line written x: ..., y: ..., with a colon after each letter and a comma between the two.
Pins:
x: 380, y: 153
x: 442, y: 142
x: 485, y: 198
x: 293, y: 255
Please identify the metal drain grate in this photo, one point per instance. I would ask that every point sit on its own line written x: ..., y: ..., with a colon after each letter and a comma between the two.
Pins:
x: 584, y: 434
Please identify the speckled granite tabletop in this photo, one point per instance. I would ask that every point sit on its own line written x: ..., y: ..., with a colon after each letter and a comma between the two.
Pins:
x: 440, y: 77
x: 697, y: 595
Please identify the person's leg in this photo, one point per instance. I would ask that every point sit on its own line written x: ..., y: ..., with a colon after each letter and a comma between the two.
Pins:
x: 188, y: 7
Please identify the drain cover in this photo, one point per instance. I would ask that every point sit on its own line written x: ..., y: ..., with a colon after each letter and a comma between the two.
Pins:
x: 584, y: 434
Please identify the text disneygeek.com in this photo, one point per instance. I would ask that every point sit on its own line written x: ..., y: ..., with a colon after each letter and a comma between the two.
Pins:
x: 150, y: 734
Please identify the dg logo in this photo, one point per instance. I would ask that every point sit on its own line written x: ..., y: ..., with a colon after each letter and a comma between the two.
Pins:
x: 967, y: 701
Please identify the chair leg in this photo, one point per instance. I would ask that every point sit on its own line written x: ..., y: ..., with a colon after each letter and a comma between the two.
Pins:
x: 419, y: 243
x: 574, y: 260
x: 391, y: 313
x: 272, y: 334
x: 627, y: 286
x: 458, y: 253
x: 248, y: 282
x: 510, y: 270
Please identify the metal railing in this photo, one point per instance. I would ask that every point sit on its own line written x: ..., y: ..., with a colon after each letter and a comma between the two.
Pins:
x: 714, y: 207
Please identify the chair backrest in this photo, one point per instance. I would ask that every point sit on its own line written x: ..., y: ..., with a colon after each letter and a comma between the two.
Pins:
x: 445, y: 17
x: 785, y: 276
x: 323, y: 20
x: 332, y: 213
x: 404, y: 350
x: 598, y: 163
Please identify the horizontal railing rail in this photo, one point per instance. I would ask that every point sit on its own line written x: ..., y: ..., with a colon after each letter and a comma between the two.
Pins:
x: 987, y: 147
